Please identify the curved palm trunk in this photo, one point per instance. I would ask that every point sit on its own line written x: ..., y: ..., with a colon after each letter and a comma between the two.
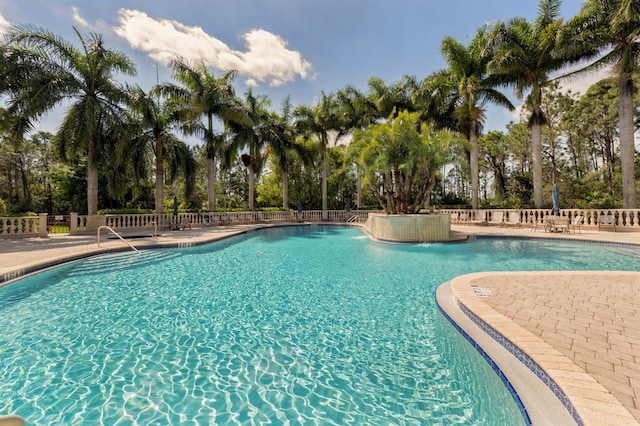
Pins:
x: 475, y: 168
x: 285, y: 189
x: 536, y: 162
x: 159, y: 178
x: 627, y: 149
x: 92, y: 182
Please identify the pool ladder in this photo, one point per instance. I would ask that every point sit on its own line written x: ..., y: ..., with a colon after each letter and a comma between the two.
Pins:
x: 117, y: 235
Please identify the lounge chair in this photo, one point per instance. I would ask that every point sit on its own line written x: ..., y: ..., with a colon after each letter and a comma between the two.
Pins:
x: 184, y: 223
x: 607, y: 220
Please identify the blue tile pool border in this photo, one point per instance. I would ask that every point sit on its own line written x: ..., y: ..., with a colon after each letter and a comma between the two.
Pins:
x: 494, y: 366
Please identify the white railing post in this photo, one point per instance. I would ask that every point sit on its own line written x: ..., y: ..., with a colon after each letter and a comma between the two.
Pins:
x: 42, y: 231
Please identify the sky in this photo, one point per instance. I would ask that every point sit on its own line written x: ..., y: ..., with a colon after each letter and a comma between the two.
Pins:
x: 295, y: 48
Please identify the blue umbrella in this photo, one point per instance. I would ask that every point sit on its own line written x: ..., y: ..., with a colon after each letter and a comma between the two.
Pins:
x: 175, y: 206
x: 555, y: 197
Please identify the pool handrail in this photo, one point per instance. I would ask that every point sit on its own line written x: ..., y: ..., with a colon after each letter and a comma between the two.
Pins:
x: 117, y: 235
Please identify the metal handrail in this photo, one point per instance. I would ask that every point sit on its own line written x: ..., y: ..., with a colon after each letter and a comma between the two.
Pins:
x: 155, y: 227
x: 117, y: 235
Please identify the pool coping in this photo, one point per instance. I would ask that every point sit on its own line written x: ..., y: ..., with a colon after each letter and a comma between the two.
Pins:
x: 566, y: 380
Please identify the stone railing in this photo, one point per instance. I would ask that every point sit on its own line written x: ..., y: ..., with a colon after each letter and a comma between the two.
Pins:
x: 24, y: 226
x: 123, y: 222
x: 623, y: 219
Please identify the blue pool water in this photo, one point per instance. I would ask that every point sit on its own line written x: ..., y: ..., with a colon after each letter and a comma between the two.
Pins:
x: 298, y: 325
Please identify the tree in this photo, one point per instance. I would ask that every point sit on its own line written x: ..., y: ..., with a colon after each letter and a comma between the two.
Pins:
x: 401, y: 161
x: 279, y: 133
x: 526, y: 55
x: 204, y: 95
x: 316, y: 123
x: 474, y: 87
x: 155, y: 133
x: 609, y: 30
x: 84, y: 77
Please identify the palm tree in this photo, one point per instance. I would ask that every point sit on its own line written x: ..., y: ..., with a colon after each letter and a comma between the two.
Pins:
x: 279, y: 133
x: 85, y: 77
x: 527, y: 55
x: 202, y: 94
x: 609, y: 30
x: 474, y: 87
x: 250, y: 136
x: 156, y: 123
x: 317, y: 122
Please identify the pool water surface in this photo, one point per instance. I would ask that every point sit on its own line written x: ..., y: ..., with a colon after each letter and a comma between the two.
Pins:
x: 297, y: 325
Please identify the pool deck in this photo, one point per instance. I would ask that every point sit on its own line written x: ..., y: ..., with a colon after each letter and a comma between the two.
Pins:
x: 581, y: 329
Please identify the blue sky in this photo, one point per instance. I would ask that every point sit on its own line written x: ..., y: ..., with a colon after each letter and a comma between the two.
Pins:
x: 280, y: 47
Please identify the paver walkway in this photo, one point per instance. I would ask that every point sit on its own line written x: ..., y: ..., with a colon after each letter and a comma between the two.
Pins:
x: 591, y: 318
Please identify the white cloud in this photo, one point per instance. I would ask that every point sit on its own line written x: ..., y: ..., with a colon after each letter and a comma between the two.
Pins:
x: 77, y: 18
x: 4, y: 25
x: 266, y: 58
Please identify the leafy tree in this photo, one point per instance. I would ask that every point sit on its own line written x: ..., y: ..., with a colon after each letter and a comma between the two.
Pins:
x: 401, y: 162
x: 57, y: 71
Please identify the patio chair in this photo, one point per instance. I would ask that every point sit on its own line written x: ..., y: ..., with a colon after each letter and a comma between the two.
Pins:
x: 576, y: 223
x: 184, y: 223
x: 607, y: 220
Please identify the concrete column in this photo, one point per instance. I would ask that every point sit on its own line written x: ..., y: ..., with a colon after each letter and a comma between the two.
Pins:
x: 73, y: 223
x: 42, y: 231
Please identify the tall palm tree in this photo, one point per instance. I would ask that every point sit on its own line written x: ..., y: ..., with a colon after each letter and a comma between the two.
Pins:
x: 318, y: 122
x: 156, y: 125
x: 202, y: 94
x: 250, y: 136
x: 474, y: 87
x: 279, y: 132
x: 85, y: 77
x: 527, y: 55
x: 609, y: 30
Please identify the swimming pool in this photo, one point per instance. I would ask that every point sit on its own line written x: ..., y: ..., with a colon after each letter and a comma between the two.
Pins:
x: 311, y: 324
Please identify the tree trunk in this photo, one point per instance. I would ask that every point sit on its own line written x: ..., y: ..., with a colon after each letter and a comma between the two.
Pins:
x: 358, y: 188
x: 325, y: 201
x: 211, y: 183
x: 627, y: 149
x: 159, y: 178
x: 285, y: 189
x: 92, y: 182
x: 473, y: 163
x: 252, y: 184
x: 536, y: 162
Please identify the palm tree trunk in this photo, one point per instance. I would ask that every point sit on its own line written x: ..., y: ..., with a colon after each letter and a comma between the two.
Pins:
x: 252, y: 183
x: 285, y: 189
x: 358, y: 188
x: 211, y: 183
x: 536, y: 162
x: 325, y: 201
x: 627, y: 149
x: 473, y: 163
x: 159, y: 178
x: 92, y: 182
